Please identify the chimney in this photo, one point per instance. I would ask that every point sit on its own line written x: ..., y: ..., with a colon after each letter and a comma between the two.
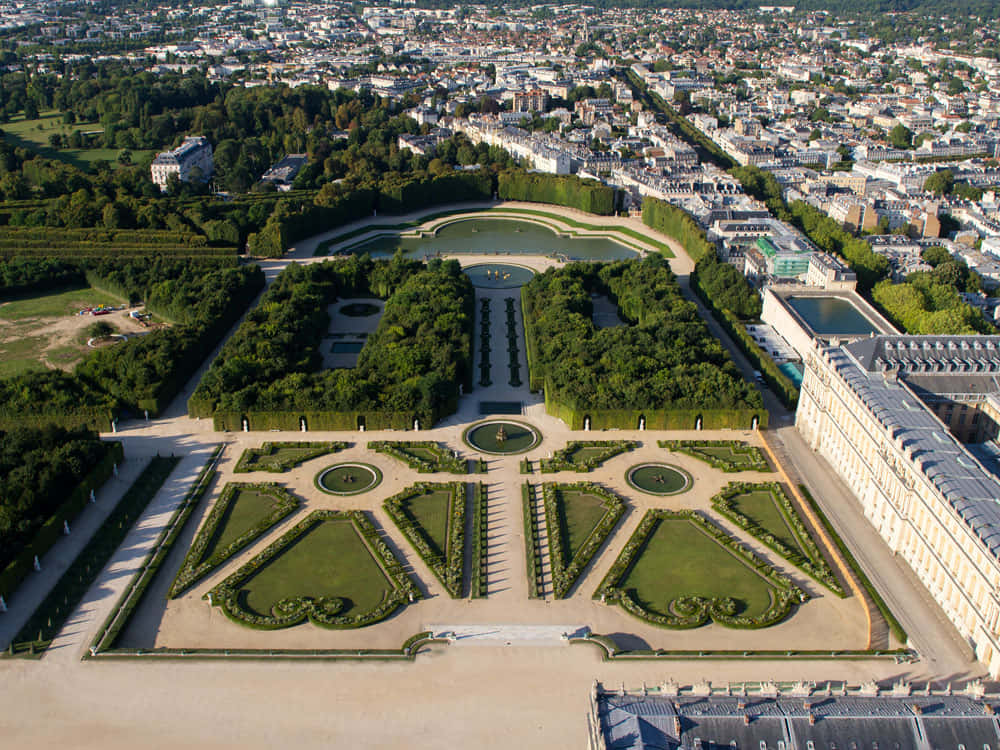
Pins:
x: 812, y: 719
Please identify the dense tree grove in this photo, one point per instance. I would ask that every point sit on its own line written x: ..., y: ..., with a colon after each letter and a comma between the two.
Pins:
x: 664, y: 358
x: 38, y: 469
x: 926, y: 305
x: 727, y: 287
x: 201, y: 302
x: 412, y: 365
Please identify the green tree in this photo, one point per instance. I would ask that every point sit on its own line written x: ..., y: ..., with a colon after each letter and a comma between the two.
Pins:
x: 901, y: 137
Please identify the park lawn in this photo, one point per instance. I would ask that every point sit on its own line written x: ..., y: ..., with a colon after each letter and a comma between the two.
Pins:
x: 34, y: 135
x: 678, y: 559
x: 328, y: 560
x: 579, y: 512
x: 247, y: 508
x: 746, y: 457
x: 580, y: 455
x: 761, y: 508
x: 56, y: 304
x: 21, y: 355
x: 431, y: 511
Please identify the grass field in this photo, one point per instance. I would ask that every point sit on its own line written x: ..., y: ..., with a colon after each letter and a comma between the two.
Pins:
x: 431, y: 511
x: 21, y: 355
x: 579, y: 513
x: 679, y: 559
x: 246, y: 510
x: 760, y: 506
x: 329, y: 560
x: 34, y: 135
x: 55, y: 304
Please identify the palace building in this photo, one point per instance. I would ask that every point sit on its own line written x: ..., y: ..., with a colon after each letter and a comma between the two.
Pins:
x: 910, y: 424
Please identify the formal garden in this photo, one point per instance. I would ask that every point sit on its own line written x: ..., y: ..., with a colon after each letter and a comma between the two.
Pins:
x: 585, y: 455
x: 726, y: 455
x: 658, y: 479
x: 501, y: 437
x: 281, y: 457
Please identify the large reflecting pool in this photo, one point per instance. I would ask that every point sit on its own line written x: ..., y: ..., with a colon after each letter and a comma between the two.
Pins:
x: 500, y: 236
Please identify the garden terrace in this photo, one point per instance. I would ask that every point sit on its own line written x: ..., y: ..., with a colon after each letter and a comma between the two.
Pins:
x: 585, y: 455
x: 432, y: 517
x: 730, y: 456
x: 765, y: 511
x: 409, y: 370
x: 332, y: 569
x: 426, y: 457
x: 280, y: 457
x: 662, y: 370
x: 711, y: 577
x: 242, y: 514
x: 578, y: 518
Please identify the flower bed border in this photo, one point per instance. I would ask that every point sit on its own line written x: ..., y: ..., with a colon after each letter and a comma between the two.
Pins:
x: 689, y: 448
x: 193, y: 568
x: 322, y: 612
x: 564, y: 578
x: 561, y: 460
x: 532, y: 544
x: 477, y: 578
x: 243, y: 466
x: 812, y: 562
x: 448, y: 569
x: 695, y: 611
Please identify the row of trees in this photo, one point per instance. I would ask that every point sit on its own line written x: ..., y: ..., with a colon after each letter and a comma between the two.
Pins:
x: 413, y: 364
x: 664, y: 359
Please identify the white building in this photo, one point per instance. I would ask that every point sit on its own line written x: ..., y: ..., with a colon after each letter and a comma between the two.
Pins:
x: 194, y: 153
x: 885, y: 412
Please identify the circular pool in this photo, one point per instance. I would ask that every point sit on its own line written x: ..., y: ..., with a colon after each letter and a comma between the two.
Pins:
x: 502, y: 437
x: 498, y: 275
x: 658, y: 479
x: 348, y: 479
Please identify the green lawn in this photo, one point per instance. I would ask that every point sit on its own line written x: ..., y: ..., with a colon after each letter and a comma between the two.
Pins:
x: 34, y: 135
x: 579, y: 513
x: 583, y: 453
x: 420, y: 452
x: 679, y: 559
x: 277, y: 456
x: 760, y: 507
x: 248, y: 508
x: 431, y: 511
x: 56, y: 304
x: 21, y: 355
x: 329, y: 560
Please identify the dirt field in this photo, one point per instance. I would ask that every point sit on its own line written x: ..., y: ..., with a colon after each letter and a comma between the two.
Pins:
x: 46, y: 332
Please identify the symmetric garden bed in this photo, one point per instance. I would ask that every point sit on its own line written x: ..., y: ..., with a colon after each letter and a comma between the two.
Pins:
x: 432, y: 517
x: 241, y: 515
x: 765, y: 511
x: 280, y: 457
x: 680, y: 571
x: 585, y: 455
x: 332, y: 568
x: 426, y: 457
x: 727, y: 455
x: 578, y: 518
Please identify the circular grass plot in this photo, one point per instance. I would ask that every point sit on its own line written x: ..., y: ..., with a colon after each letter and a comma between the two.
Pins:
x: 348, y: 479
x: 658, y: 479
x: 501, y: 437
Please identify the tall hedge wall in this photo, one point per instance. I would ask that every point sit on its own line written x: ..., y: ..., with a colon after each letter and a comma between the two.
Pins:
x: 590, y: 196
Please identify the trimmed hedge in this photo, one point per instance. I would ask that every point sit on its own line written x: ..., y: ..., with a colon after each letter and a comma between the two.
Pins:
x: 52, y: 529
x: 245, y: 465
x: 322, y: 611
x: 562, y: 459
x: 62, y: 600
x: 195, y: 567
x: 445, y: 459
x: 690, y: 448
x: 812, y: 562
x: 479, y: 542
x: 563, y: 577
x: 695, y: 611
x: 131, y: 597
x: 447, y: 567
x: 590, y: 196
x: 532, y: 544
x: 677, y: 223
